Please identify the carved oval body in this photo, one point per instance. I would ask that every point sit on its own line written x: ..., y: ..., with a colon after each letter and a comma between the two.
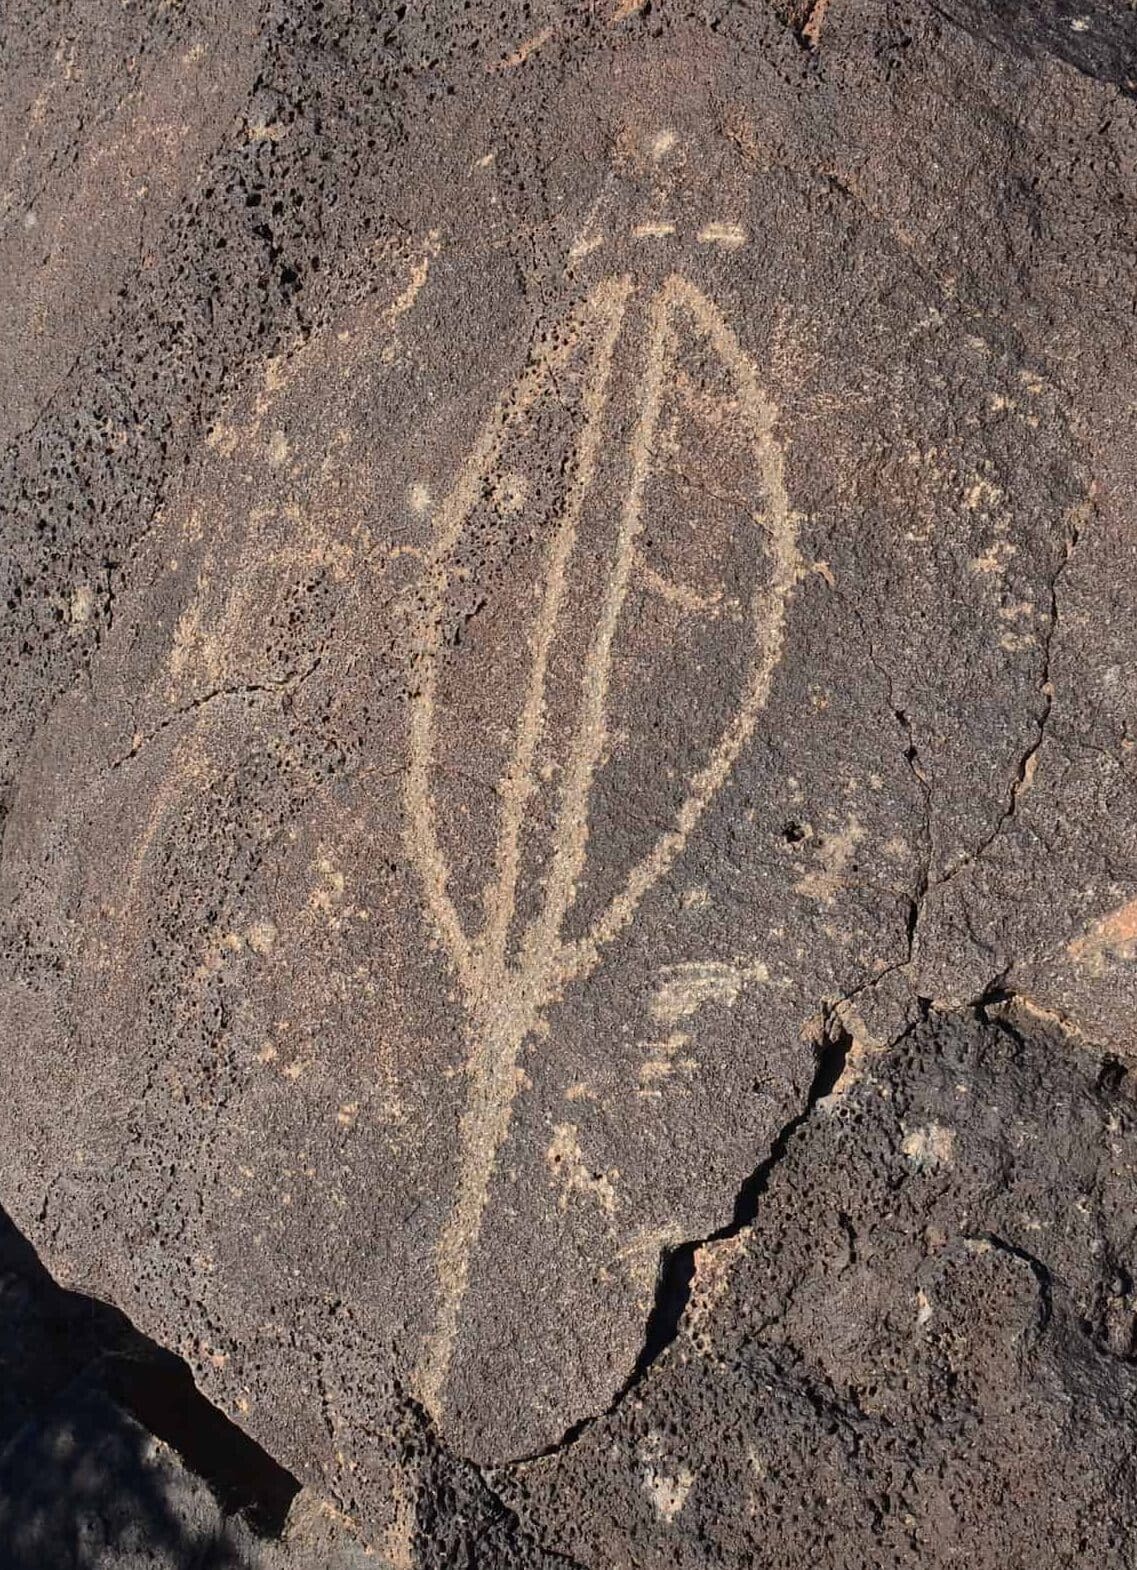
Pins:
x: 627, y: 493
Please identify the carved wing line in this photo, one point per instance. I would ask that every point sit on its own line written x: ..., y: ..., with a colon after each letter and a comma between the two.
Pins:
x: 606, y: 305
x: 759, y: 414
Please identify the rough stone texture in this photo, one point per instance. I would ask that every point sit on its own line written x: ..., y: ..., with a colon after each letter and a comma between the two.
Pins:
x: 86, y: 1486
x: 568, y: 670
x: 109, y: 1460
x: 921, y: 1354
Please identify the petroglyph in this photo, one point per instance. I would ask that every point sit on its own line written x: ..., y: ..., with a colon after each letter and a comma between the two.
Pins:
x: 684, y: 989
x: 506, y: 989
x: 405, y: 300
x: 930, y: 1147
x: 668, y: 1494
x: 666, y: 1487
x: 523, y: 51
x: 573, y: 1175
x: 835, y: 852
x: 663, y: 1058
x: 732, y: 236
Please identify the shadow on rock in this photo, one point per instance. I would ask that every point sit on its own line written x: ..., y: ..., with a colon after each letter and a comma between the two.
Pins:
x: 96, y: 1422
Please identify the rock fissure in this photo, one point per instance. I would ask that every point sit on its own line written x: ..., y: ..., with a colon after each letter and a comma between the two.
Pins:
x: 1040, y: 1271
x: 915, y: 900
x: 273, y: 687
x: 677, y: 1267
x: 1028, y: 760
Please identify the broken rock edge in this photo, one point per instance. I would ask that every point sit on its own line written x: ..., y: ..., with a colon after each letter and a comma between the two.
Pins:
x: 996, y: 1005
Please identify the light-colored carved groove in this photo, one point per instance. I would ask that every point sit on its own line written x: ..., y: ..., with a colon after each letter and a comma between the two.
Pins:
x: 571, y: 834
x: 504, y: 1005
x: 608, y: 302
x: 768, y: 620
x: 680, y: 594
x: 485, y: 1122
x: 421, y: 831
x: 505, y: 1000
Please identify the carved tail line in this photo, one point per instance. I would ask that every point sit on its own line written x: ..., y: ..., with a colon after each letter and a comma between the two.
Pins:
x: 769, y: 614
x: 608, y: 302
x: 421, y: 831
x: 485, y: 1123
x: 504, y: 1005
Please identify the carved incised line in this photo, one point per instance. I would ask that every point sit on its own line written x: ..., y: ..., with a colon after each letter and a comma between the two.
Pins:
x: 505, y: 994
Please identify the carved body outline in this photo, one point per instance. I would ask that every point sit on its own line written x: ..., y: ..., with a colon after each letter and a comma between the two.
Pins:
x: 505, y: 1001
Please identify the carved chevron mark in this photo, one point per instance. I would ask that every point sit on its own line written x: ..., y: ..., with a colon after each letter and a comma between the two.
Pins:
x: 505, y: 995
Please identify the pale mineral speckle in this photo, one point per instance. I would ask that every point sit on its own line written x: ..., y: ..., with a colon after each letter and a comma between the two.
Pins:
x: 261, y: 936
x: 668, y: 1492
x: 81, y: 604
x: 930, y: 1146
x: 662, y: 143
x: 420, y: 500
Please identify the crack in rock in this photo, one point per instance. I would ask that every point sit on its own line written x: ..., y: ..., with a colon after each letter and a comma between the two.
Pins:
x: 1028, y: 762
x: 677, y: 1267
x: 1041, y: 1273
x: 287, y: 683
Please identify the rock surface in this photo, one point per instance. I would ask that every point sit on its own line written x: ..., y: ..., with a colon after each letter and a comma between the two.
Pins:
x: 568, y: 898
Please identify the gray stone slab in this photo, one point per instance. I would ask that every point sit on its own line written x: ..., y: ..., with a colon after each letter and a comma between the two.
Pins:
x: 567, y: 577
